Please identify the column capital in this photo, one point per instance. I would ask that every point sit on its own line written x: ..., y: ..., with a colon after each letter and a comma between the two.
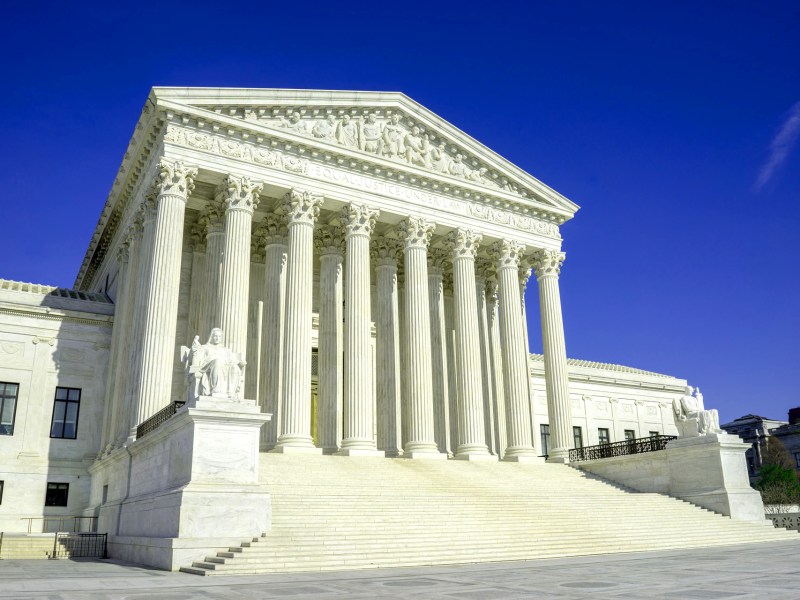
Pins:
x: 123, y: 252
x: 507, y: 254
x: 416, y: 232
x: 147, y: 209
x: 524, y: 273
x: 257, y: 245
x: 385, y: 251
x: 484, y: 268
x: 359, y: 219
x: 136, y: 227
x: 198, y: 235
x: 213, y: 218
x: 301, y: 207
x: 463, y: 243
x: 272, y: 230
x: 329, y: 239
x: 547, y: 263
x: 492, y: 290
x: 438, y: 259
x: 239, y: 193
x: 175, y: 178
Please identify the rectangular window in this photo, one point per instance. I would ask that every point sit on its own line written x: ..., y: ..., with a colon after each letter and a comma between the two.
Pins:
x: 602, y: 436
x: 8, y: 407
x: 654, y: 434
x: 577, y: 437
x: 2, y: 483
x: 65, y: 413
x: 544, y: 432
x: 105, y: 494
x: 630, y: 435
x: 57, y: 494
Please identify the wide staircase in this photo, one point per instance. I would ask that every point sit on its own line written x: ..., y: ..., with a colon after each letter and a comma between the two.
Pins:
x: 337, y: 513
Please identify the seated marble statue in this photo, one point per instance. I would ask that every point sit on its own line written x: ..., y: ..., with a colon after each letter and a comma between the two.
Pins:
x: 691, y: 417
x: 213, y: 369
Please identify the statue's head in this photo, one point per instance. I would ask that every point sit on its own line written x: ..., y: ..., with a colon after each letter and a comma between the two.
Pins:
x: 689, y: 390
x: 216, y: 336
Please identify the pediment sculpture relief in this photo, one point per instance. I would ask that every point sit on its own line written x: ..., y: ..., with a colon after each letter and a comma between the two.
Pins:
x: 393, y: 137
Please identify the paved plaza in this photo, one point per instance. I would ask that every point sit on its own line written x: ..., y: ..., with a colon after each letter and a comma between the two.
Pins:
x: 742, y: 572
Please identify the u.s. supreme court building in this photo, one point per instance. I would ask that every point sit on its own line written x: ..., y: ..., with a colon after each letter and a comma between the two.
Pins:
x: 366, y: 263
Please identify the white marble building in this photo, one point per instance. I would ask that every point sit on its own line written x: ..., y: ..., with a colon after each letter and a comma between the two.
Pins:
x: 365, y: 256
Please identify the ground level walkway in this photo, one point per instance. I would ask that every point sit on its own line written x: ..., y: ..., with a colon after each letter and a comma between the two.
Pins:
x: 768, y: 570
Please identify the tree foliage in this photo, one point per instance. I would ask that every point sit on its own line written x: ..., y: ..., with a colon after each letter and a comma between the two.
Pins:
x: 777, y: 479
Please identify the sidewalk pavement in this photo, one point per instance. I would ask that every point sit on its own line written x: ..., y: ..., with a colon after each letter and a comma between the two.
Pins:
x: 770, y: 570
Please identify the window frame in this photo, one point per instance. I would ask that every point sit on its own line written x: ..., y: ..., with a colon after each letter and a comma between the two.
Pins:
x: 630, y: 434
x: 544, y: 438
x: 2, y: 486
x: 600, y: 440
x: 654, y: 433
x: 57, y: 488
x: 66, y: 401
x: 3, y: 399
x: 577, y: 436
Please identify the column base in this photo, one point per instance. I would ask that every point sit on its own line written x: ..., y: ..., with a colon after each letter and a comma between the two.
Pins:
x: 563, y: 459
x: 296, y: 450
x: 360, y: 452
x: 476, y: 456
x: 524, y: 458
x: 421, y: 454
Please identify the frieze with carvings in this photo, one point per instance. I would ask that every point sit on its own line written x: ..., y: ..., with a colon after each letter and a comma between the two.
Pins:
x: 217, y: 144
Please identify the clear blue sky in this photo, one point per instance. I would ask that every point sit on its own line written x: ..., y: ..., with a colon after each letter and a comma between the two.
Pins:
x: 673, y: 124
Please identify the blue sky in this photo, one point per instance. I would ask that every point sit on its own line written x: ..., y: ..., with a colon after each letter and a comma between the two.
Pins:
x: 673, y: 125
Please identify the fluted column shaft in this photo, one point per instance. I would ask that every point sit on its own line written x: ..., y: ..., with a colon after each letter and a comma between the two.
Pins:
x: 214, y: 221
x: 547, y: 265
x: 471, y: 434
x: 496, y: 368
x: 416, y: 234
x: 174, y: 185
x: 240, y: 197
x: 330, y: 385
x: 437, y: 259
x: 387, y: 346
x: 359, y: 398
x: 518, y: 414
x: 131, y: 398
x: 275, y: 264
x: 481, y: 268
x: 302, y: 209
x: 197, y: 288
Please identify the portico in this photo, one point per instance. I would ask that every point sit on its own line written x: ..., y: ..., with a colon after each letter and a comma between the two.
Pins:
x: 400, y: 260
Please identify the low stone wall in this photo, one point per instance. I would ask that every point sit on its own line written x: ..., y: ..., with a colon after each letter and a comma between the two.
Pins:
x: 709, y: 471
x: 785, y: 520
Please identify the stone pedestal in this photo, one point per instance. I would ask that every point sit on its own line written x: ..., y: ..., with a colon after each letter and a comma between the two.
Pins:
x: 711, y: 471
x: 192, y: 486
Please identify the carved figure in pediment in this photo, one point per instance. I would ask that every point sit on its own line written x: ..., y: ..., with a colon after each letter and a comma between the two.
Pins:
x: 439, y: 159
x: 213, y: 369
x: 326, y: 129
x: 457, y: 168
x: 347, y: 132
x: 479, y: 176
x: 393, y: 134
x: 294, y: 123
x: 507, y: 186
x: 417, y: 147
x: 371, y: 135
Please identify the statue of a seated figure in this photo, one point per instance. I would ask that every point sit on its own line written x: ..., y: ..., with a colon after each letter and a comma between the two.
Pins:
x: 691, y: 417
x: 212, y: 369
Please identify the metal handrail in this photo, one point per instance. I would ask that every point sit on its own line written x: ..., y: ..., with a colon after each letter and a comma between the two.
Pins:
x: 636, y: 446
x: 77, y: 523
x: 158, y: 419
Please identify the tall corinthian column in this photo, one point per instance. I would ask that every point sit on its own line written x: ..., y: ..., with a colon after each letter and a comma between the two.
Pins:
x: 173, y: 184
x: 214, y: 220
x: 240, y: 195
x: 302, y: 210
x: 547, y: 265
x: 328, y: 240
x: 273, y: 230
x: 515, y: 366
x: 416, y: 233
x: 437, y: 259
x: 483, y: 267
x: 359, y: 399
x: 387, y: 345
x: 496, y: 367
x: 471, y: 434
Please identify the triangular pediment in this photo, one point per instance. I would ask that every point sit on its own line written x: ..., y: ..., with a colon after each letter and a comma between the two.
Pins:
x: 378, y: 126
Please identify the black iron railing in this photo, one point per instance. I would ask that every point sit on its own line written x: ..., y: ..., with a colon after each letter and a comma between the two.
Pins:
x: 158, y: 419
x: 80, y: 545
x: 637, y: 446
